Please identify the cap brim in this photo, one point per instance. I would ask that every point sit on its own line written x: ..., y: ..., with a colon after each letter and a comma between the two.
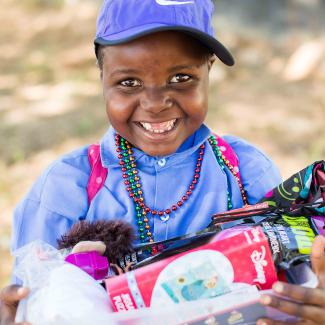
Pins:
x: 211, y: 43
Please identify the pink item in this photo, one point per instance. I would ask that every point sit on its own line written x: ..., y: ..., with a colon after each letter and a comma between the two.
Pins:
x: 91, y: 262
x: 229, y: 154
x: 269, y: 194
x: 207, y: 271
x: 320, y: 224
x: 98, y: 172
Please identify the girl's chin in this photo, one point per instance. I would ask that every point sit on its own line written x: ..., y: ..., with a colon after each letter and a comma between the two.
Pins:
x: 156, y: 150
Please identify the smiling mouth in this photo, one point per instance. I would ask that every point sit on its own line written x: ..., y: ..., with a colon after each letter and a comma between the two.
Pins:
x: 159, y: 128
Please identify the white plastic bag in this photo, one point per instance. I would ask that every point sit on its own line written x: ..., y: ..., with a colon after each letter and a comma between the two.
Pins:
x: 60, y: 293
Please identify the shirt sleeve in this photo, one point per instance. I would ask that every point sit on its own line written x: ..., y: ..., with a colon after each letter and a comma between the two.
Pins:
x: 56, y: 201
x: 258, y: 172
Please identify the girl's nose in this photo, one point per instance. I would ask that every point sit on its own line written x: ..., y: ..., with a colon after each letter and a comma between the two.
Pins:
x: 155, y: 100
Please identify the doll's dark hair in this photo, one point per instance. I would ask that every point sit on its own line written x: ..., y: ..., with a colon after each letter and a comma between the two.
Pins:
x: 118, y: 236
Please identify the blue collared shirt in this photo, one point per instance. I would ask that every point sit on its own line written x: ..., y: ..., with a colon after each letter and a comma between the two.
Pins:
x: 58, y: 198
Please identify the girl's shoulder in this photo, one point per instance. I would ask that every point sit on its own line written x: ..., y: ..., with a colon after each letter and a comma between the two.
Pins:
x: 248, y: 153
x: 258, y: 171
x: 61, y: 188
x: 72, y: 166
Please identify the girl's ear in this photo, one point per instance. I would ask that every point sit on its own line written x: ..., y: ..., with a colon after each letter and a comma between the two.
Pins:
x: 100, y: 68
x: 211, y: 60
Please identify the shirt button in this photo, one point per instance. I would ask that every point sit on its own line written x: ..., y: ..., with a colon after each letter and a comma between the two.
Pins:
x: 162, y: 162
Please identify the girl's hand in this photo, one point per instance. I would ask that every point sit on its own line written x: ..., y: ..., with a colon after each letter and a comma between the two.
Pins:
x: 307, y: 304
x: 9, y: 299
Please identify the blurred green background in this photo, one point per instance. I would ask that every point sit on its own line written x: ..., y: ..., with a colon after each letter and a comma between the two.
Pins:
x: 50, y: 93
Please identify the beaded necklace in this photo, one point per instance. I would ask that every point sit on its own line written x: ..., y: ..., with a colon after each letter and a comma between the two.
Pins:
x: 132, y: 183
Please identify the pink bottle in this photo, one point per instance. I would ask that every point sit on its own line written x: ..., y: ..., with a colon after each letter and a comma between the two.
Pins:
x: 320, y: 223
x: 91, y: 262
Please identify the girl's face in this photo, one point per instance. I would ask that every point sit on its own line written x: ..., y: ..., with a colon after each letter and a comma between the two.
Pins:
x: 156, y: 90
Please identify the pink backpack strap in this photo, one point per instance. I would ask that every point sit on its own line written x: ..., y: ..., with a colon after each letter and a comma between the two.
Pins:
x: 229, y: 154
x: 231, y: 160
x: 98, y: 172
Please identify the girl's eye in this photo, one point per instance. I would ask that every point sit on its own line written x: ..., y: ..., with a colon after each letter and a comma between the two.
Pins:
x: 180, y: 77
x: 130, y: 83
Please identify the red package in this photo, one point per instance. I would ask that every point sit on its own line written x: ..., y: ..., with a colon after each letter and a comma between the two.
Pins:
x: 203, y: 272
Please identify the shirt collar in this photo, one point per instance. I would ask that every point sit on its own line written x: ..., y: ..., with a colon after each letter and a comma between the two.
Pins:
x: 190, y: 145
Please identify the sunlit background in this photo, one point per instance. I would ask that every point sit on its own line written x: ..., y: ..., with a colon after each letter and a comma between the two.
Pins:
x: 50, y: 94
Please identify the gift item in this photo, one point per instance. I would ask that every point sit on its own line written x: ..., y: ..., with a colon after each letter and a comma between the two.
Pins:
x: 306, y: 186
x: 290, y: 238
x: 91, y: 262
x: 200, y: 273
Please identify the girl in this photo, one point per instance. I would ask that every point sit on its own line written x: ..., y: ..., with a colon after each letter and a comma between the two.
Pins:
x: 166, y: 172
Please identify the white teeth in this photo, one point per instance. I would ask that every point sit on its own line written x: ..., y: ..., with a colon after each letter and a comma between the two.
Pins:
x: 159, y: 127
x: 147, y: 126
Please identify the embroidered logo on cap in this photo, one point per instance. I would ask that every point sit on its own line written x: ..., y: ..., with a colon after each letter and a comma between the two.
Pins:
x: 172, y: 3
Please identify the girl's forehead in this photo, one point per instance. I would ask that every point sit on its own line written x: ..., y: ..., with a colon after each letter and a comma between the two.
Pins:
x: 166, y: 46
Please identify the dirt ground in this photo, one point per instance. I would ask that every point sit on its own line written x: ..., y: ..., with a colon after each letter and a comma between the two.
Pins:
x: 50, y: 95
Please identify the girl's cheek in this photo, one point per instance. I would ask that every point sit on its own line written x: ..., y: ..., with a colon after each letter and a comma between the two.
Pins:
x: 195, y: 96
x: 196, y: 104
x: 119, y: 106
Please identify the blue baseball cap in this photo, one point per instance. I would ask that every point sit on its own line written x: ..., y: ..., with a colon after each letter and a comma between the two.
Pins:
x: 121, y: 21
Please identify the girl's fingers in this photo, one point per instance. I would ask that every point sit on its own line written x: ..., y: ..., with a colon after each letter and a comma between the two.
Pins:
x: 9, y: 299
x: 318, y: 259
x: 12, y: 294
x: 307, y: 303
x: 129, y: 267
x: 311, y: 296
x: 118, y: 270
x: 304, y: 311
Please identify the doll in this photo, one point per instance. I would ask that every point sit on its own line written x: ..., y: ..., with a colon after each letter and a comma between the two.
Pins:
x: 111, y: 239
